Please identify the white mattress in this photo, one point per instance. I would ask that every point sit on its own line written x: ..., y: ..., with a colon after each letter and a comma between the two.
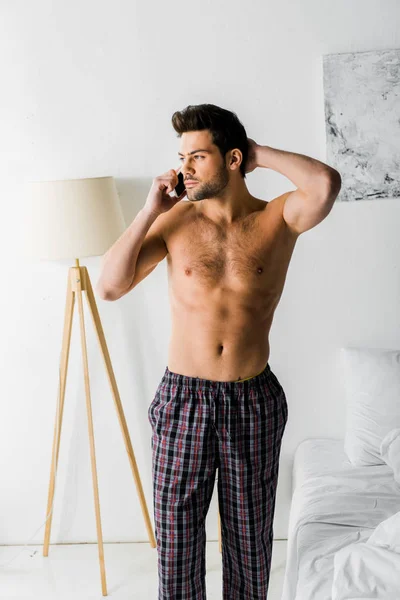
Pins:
x: 333, y: 505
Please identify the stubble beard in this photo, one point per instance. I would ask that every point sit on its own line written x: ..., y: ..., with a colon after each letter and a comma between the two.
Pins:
x: 210, y: 189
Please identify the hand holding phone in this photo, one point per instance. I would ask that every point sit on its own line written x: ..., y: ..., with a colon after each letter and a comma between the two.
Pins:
x: 163, y: 195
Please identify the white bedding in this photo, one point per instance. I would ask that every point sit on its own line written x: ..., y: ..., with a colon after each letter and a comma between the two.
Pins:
x: 334, y: 504
x: 370, y: 569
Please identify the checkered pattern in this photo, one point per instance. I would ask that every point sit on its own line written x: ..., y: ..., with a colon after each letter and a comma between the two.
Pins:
x: 198, y: 426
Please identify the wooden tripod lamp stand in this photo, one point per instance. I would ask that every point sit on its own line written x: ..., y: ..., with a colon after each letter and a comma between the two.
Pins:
x: 70, y: 218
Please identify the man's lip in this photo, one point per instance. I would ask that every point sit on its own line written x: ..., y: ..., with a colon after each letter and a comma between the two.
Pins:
x: 190, y: 181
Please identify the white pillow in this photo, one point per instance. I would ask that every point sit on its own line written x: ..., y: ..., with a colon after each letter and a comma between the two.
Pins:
x: 372, y: 385
x: 390, y: 452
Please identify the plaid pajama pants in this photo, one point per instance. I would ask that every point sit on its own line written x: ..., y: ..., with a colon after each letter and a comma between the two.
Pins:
x: 198, y: 426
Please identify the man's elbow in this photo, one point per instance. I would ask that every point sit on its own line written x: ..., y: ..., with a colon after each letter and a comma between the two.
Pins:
x: 333, y: 183
x: 105, y: 294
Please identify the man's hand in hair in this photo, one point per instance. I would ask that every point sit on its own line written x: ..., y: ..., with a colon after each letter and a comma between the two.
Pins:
x: 251, y: 163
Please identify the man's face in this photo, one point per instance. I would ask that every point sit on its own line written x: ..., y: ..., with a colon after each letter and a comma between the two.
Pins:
x: 202, y: 162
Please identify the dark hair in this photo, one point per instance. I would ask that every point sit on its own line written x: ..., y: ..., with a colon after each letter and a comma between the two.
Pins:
x: 226, y: 129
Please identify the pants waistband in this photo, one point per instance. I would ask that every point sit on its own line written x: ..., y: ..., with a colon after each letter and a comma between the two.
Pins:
x: 177, y: 378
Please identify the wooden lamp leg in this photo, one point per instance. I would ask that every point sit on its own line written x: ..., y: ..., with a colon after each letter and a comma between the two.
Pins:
x: 78, y: 281
x: 69, y: 311
x: 118, y: 406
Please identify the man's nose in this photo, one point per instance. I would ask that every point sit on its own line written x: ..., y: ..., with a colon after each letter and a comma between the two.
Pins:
x: 187, y: 170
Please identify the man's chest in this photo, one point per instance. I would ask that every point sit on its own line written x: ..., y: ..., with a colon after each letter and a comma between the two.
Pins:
x: 247, y: 257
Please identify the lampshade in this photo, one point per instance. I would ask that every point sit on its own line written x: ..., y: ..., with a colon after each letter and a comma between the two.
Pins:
x: 68, y: 219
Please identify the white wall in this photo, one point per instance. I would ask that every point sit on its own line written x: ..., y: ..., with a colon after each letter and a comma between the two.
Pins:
x: 88, y: 89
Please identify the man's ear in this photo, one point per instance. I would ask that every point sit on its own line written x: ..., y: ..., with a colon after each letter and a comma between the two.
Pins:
x: 235, y: 158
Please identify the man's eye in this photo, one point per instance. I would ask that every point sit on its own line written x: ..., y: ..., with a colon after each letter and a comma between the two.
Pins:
x: 196, y: 156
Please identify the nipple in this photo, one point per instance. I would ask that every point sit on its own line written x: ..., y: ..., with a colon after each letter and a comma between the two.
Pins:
x: 260, y: 269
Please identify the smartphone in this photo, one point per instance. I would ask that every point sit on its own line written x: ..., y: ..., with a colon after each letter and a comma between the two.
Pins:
x: 180, y: 187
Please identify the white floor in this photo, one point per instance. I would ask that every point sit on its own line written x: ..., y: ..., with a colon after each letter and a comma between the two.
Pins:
x: 72, y: 572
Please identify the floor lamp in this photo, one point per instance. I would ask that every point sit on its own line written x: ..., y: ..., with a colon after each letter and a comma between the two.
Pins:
x: 68, y: 219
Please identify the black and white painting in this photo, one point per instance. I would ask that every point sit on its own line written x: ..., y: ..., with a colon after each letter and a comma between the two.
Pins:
x: 362, y: 118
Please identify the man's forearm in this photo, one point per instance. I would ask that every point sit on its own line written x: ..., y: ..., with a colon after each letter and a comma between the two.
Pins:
x: 119, y: 262
x: 307, y: 173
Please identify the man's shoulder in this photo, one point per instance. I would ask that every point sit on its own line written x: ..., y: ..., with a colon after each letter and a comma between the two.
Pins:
x: 278, y: 203
x: 273, y: 202
x: 279, y: 199
x: 173, y: 218
x: 273, y: 213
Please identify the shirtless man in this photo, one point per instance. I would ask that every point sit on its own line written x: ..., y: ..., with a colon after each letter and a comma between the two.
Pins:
x: 219, y: 405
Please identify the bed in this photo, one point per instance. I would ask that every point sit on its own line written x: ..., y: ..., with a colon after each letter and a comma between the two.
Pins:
x: 335, y: 508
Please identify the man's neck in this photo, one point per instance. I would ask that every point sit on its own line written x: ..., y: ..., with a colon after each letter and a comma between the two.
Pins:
x: 229, y: 208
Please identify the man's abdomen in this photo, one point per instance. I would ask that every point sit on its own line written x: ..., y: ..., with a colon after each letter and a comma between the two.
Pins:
x: 219, y: 351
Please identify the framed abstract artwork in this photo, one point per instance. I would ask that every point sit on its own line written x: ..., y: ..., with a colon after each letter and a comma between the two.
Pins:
x: 362, y: 122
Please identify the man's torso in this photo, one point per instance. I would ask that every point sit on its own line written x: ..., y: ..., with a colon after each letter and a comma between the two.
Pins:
x: 225, y: 282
